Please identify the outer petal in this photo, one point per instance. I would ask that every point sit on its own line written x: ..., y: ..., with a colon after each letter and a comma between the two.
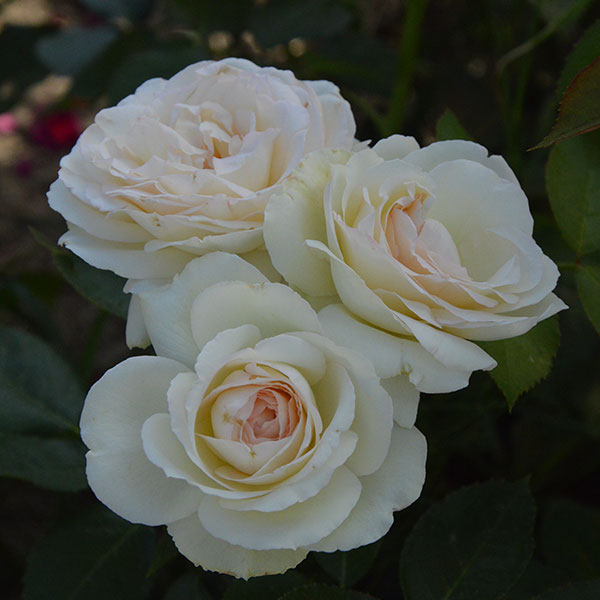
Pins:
x: 294, y: 215
x: 396, y: 146
x: 111, y: 423
x: 213, y: 554
x: 98, y: 224
x: 167, y: 311
x: 405, y: 398
x: 272, y: 307
x: 126, y: 260
x: 299, y: 525
x: 437, y: 153
x: 135, y: 330
x: 394, y: 486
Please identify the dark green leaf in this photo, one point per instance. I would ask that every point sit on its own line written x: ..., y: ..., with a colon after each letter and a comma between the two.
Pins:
x: 141, y: 66
x: 537, y: 578
x: 268, y: 587
x: 324, y: 592
x: 279, y: 22
x: 91, y: 557
x: 208, y: 15
x: 54, y: 463
x: 585, y: 51
x: 448, y: 127
x: 68, y: 51
x: 579, y: 110
x: 103, y: 288
x: 131, y: 9
x: 584, y: 590
x: 525, y: 360
x: 474, y: 544
x: 38, y: 390
x: 570, y: 539
x: 348, y: 567
x: 164, y: 553
x: 188, y: 587
x: 573, y: 185
x: 587, y: 277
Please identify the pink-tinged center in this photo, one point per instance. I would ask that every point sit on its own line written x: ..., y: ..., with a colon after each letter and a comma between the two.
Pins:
x: 255, y: 413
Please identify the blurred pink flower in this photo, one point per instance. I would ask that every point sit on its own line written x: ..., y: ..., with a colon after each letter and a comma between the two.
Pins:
x: 8, y: 123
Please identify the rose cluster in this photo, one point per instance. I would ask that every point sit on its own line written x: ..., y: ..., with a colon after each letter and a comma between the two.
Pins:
x: 299, y: 290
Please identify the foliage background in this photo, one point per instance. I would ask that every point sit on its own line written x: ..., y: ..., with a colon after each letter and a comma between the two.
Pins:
x: 510, y: 507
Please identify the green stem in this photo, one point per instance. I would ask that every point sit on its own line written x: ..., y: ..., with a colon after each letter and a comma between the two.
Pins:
x: 407, y: 58
x: 571, y: 12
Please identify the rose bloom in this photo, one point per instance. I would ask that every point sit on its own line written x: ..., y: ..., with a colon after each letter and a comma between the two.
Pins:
x: 252, y: 436
x: 431, y: 244
x: 185, y: 166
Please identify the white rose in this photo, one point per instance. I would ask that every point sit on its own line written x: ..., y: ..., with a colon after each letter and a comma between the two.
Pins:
x: 252, y: 436
x: 185, y: 166
x: 431, y: 244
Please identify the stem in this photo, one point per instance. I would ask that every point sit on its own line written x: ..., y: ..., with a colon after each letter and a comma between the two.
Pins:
x: 407, y: 58
x: 527, y: 46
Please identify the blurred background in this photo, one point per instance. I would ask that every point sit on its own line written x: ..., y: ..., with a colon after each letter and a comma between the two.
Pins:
x: 488, y: 70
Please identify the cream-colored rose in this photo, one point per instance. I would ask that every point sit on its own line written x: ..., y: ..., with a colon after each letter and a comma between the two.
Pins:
x: 431, y: 244
x: 185, y: 166
x: 252, y: 435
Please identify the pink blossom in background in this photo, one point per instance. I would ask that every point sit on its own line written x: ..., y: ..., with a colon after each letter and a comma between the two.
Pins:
x: 8, y: 123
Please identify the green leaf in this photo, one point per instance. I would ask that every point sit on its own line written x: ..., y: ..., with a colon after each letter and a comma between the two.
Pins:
x: 164, y: 553
x: 348, y: 567
x: 141, y: 66
x: 448, y: 127
x: 40, y: 402
x: 579, y: 110
x: 573, y: 186
x: 187, y: 587
x: 587, y: 277
x: 54, y: 463
x: 268, y: 587
x: 585, y: 51
x: 39, y: 392
x: 324, y: 592
x: 279, y: 22
x: 94, y: 556
x: 103, y: 288
x: 570, y: 539
x: 525, y: 360
x: 584, y: 590
x: 70, y: 50
x: 130, y: 9
x: 474, y: 544
x: 536, y: 578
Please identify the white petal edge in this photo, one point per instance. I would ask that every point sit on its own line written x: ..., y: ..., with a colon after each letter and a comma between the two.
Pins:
x: 118, y: 470
x: 297, y: 526
x: 213, y: 554
x: 396, y: 485
x: 167, y: 310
